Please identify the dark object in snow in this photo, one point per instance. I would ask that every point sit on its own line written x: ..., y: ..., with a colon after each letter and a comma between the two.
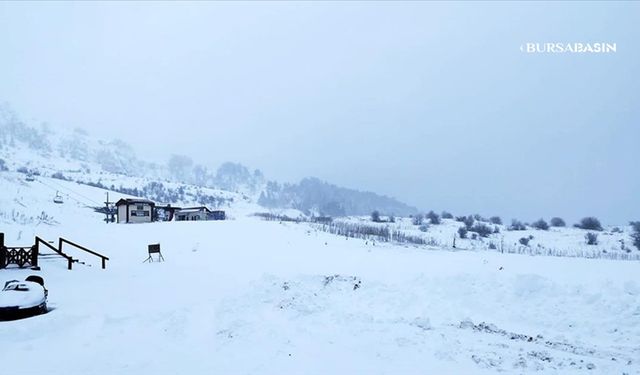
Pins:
x: 154, y: 249
x: 589, y: 223
x: 58, y: 198
x: 591, y: 238
x: 23, y: 299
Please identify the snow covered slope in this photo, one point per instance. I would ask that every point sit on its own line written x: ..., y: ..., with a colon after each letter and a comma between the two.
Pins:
x: 247, y: 296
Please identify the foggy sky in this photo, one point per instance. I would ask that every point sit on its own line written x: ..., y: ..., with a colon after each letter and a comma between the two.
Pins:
x: 431, y: 103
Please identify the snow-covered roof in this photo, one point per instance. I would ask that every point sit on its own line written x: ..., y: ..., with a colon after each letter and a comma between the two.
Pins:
x: 193, y: 209
x: 134, y: 201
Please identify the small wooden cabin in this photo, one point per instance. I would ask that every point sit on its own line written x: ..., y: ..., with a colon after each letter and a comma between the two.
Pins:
x: 199, y: 213
x: 135, y: 210
x: 193, y: 214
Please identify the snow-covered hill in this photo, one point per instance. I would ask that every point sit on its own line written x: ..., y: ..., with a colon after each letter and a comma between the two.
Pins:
x: 612, y: 242
x: 74, y: 154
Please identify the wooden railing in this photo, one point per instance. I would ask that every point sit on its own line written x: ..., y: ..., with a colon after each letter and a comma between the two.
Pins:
x: 29, y: 254
x: 69, y: 259
x: 19, y: 255
x: 62, y: 241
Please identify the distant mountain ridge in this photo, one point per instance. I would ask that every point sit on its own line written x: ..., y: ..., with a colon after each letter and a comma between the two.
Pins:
x: 317, y: 197
x: 66, y: 150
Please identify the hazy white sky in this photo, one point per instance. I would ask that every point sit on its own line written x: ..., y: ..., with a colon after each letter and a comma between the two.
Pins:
x: 432, y: 103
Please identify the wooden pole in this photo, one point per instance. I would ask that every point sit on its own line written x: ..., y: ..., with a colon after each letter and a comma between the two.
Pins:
x: 3, y: 252
x: 34, y: 254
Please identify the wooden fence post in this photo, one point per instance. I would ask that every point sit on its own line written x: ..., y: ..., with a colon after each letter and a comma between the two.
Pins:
x: 34, y: 254
x: 3, y: 252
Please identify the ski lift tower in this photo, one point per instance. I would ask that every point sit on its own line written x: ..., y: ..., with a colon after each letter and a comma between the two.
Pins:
x: 109, y: 211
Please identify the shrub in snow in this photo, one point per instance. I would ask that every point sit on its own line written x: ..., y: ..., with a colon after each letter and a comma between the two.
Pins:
x: 635, y: 234
x: 482, y: 229
x: 589, y: 223
x: 446, y: 215
x: 322, y: 219
x: 433, y: 217
x: 24, y: 170
x: 478, y: 217
x: 3, y: 166
x: 495, y: 220
x: 616, y: 230
x: 462, y: 231
x: 474, y: 236
x: 375, y: 216
x: 557, y: 222
x: 540, y: 224
x: 60, y: 176
x: 468, y: 222
x: 461, y: 218
x: 492, y: 246
x: 496, y: 229
x: 591, y: 238
x: 418, y: 219
x: 524, y: 241
x: 424, y: 227
x: 517, y: 225
x: 392, y: 219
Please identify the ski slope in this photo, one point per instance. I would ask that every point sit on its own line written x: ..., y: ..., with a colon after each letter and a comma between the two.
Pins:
x: 246, y: 296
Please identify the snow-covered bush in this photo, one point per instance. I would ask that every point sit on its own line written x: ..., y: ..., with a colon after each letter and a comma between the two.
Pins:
x: 462, y: 232
x: 540, y: 224
x: 3, y: 166
x: 524, y: 241
x: 635, y: 235
x: 60, y: 176
x: 424, y: 227
x: 417, y: 219
x: 375, y: 217
x: 479, y: 217
x: 557, y: 222
x: 589, y: 223
x: 482, y: 229
x: 433, y: 217
x: 446, y: 215
x: 467, y: 220
x: 591, y: 238
x: 495, y: 220
x: 517, y: 225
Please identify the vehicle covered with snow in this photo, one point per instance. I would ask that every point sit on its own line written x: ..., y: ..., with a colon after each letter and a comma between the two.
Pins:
x: 22, y: 299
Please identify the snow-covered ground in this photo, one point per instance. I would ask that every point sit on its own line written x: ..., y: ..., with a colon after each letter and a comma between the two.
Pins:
x: 246, y: 296
x: 614, y: 242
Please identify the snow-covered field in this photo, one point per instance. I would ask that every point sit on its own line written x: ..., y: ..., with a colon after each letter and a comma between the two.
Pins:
x: 246, y: 296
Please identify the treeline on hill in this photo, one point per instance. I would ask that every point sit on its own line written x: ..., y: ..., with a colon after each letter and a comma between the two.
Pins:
x: 314, y: 196
x: 114, y: 156
x: 311, y: 195
x: 157, y: 192
x: 229, y: 176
